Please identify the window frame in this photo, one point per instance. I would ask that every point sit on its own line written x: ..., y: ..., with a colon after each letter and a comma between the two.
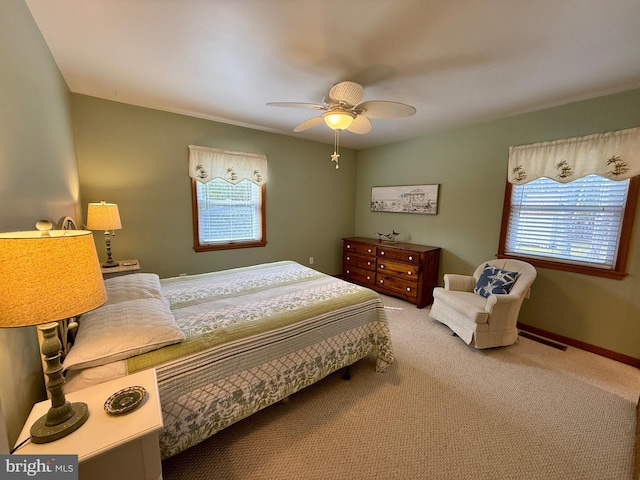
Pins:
x: 619, y: 270
x: 233, y: 244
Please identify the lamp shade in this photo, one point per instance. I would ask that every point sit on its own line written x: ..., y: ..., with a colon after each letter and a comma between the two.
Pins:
x: 338, y: 120
x: 48, y: 276
x: 103, y: 216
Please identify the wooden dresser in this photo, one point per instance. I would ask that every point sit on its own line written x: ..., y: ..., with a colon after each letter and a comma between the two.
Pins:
x: 404, y: 270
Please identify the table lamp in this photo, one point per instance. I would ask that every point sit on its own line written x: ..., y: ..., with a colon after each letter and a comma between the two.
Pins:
x: 46, y: 277
x: 105, y: 216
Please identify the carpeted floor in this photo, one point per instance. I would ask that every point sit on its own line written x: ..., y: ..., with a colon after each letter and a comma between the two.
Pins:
x: 443, y: 410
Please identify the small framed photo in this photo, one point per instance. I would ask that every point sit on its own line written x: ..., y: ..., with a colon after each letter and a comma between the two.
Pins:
x: 421, y: 199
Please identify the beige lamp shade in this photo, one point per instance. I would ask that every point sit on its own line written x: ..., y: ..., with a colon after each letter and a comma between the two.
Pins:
x: 103, y: 216
x: 48, y: 276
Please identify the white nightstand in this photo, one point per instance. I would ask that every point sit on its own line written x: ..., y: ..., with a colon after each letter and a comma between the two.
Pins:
x: 109, y: 446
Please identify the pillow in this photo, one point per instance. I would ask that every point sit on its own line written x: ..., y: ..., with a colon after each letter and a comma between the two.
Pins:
x: 494, y: 280
x: 122, y: 330
x: 75, y: 380
x: 133, y: 286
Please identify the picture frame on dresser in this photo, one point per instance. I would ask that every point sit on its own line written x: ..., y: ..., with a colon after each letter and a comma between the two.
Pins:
x: 419, y: 199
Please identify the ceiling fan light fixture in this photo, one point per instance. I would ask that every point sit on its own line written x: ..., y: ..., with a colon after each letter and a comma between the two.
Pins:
x: 338, y: 120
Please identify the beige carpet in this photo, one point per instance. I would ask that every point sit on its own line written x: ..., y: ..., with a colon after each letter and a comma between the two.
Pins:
x: 443, y: 411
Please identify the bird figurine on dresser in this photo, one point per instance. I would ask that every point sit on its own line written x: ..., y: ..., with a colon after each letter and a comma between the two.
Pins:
x: 391, y: 236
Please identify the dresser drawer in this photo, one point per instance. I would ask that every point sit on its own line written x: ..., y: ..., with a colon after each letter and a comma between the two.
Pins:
x: 399, y: 255
x: 360, y: 276
x: 359, y: 248
x: 406, y: 271
x: 359, y: 261
x: 407, y: 289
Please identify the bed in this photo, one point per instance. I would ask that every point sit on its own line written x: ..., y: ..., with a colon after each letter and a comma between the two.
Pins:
x: 227, y: 344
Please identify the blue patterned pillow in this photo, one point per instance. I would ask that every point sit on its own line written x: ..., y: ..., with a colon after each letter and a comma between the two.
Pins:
x: 495, y: 280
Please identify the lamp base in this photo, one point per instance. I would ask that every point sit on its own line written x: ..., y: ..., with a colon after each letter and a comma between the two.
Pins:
x: 42, y: 433
x: 111, y: 264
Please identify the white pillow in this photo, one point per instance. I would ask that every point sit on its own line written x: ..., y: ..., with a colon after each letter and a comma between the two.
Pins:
x: 75, y: 380
x: 122, y: 330
x: 133, y: 286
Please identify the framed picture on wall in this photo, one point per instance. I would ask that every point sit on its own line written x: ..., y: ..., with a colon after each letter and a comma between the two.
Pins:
x: 421, y: 199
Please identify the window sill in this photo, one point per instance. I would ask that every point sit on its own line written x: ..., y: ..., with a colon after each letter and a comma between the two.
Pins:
x: 228, y: 246
x: 567, y: 267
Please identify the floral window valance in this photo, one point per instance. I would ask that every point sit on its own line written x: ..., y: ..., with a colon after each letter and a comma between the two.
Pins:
x: 206, y: 163
x: 613, y: 155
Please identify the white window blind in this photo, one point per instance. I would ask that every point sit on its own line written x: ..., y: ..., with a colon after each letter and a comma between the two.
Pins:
x: 577, y: 222
x: 228, y: 212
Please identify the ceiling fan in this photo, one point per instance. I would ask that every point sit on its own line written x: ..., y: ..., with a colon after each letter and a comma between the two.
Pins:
x: 344, y: 110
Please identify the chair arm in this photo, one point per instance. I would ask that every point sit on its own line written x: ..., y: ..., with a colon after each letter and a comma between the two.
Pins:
x: 503, y: 311
x: 500, y: 300
x: 459, y: 283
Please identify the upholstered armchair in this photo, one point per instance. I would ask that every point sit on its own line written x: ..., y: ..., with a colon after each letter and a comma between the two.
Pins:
x: 484, y: 308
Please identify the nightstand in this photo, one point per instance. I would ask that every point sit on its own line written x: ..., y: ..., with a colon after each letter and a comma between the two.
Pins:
x: 125, y: 268
x: 109, y: 446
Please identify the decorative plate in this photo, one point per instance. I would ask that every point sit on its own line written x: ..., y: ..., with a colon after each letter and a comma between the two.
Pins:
x: 125, y: 400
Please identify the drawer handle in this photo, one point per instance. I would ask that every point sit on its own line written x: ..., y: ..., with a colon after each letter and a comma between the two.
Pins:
x: 368, y: 277
x: 348, y: 271
x: 408, y: 273
x: 368, y: 250
x: 369, y: 264
x: 410, y: 257
x: 348, y: 257
x: 381, y: 281
x: 408, y: 289
x: 381, y: 265
x: 382, y: 253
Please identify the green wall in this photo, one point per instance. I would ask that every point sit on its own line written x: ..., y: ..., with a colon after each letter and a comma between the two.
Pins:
x: 470, y: 164
x: 138, y: 158
x: 38, y: 180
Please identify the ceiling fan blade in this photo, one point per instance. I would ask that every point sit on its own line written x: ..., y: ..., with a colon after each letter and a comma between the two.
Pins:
x: 384, y: 109
x: 315, y: 106
x: 350, y: 93
x: 307, y: 124
x: 360, y: 125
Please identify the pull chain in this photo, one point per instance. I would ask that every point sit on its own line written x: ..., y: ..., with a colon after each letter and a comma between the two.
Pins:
x: 336, y: 155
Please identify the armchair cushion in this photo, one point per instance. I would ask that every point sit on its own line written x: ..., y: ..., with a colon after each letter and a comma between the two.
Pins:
x: 467, y: 304
x: 494, y: 280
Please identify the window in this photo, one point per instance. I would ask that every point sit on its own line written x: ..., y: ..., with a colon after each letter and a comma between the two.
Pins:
x: 228, y: 216
x: 570, y: 203
x: 582, y: 226
x: 228, y: 198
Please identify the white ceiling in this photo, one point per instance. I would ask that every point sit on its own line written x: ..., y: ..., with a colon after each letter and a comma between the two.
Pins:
x: 457, y: 61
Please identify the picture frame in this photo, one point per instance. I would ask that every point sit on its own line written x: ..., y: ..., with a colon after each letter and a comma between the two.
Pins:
x: 416, y: 199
